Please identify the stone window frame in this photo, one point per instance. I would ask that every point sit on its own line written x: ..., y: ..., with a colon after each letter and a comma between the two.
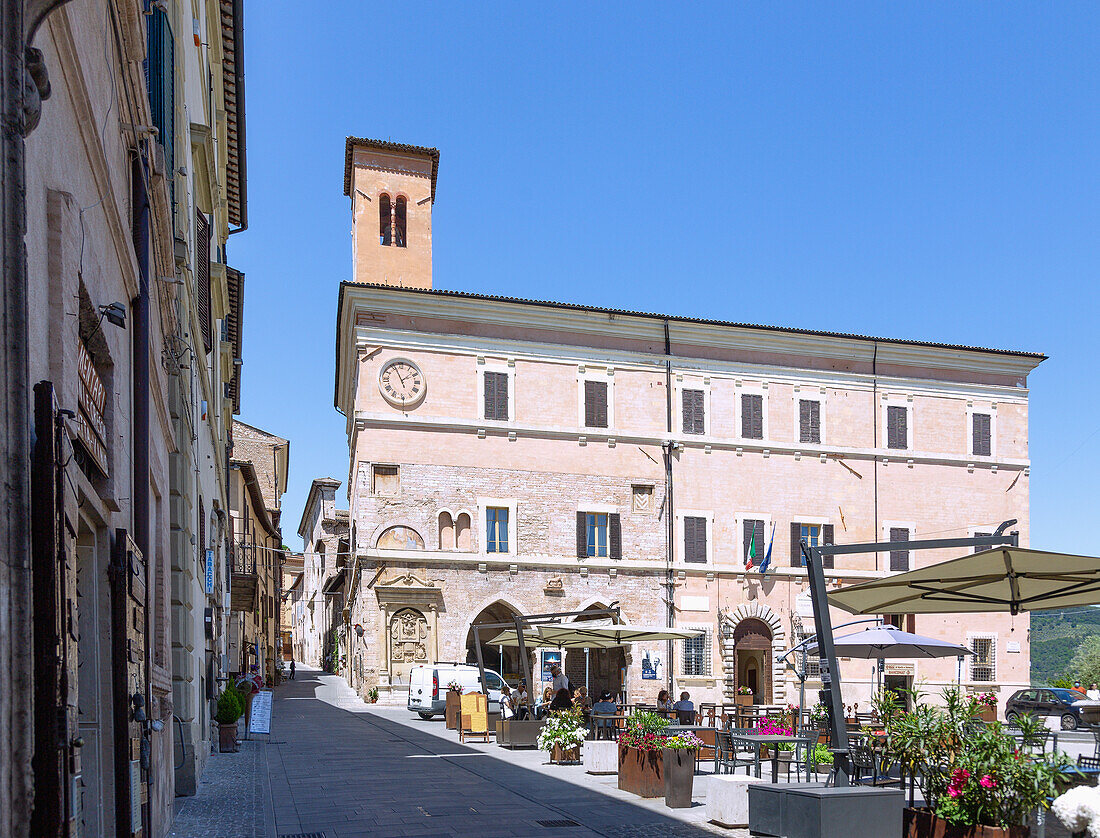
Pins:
x: 483, y: 504
x: 652, y: 487
x: 691, y: 381
x: 991, y: 412
x: 375, y: 494
x: 708, y: 653
x: 991, y: 636
x: 746, y: 388
x: 810, y: 393
x: 506, y: 366
x: 607, y: 509
x: 606, y: 374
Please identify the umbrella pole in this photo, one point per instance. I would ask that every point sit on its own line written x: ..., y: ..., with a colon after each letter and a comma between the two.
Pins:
x: 587, y: 688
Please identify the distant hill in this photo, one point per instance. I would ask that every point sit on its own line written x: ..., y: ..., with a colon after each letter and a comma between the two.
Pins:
x: 1055, y: 636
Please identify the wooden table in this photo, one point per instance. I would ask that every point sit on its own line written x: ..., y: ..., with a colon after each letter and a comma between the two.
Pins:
x: 773, y: 739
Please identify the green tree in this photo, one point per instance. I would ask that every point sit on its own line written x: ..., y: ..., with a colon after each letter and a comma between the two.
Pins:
x: 1085, y: 666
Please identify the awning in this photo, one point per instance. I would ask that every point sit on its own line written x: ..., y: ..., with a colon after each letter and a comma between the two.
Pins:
x: 335, y: 583
x: 1010, y: 579
x: 882, y: 642
x: 591, y: 636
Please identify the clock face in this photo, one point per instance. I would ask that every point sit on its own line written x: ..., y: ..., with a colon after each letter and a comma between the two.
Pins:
x: 401, y: 382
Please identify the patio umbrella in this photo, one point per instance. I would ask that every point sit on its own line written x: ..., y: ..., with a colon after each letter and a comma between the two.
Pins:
x: 883, y: 642
x: 590, y: 635
x: 1010, y: 579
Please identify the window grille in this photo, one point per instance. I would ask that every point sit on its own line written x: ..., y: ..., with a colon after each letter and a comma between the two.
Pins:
x: 696, y: 654
x: 983, y: 663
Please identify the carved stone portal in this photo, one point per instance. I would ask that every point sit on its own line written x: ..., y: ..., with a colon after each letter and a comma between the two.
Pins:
x: 408, y: 642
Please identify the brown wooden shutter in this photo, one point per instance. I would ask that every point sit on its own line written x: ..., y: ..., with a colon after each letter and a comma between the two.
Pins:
x: 595, y: 404
x: 752, y: 416
x: 899, y: 559
x: 490, y: 389
x: 695, y: 539
x: 796, y: 537
x: 202, y: 276
x: 496, y: 395
x: 809, y: 420
x: 897, y: 427
x: 827, y: 538
x: 982, y: 434
x: 614, y: 536
x: 750, y: 528
x: 502, y: 394
x: 582, y: 535
x: 694, y: 419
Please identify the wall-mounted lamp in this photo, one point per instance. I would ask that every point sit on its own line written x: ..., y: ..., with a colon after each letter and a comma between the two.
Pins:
x: 115, y: 314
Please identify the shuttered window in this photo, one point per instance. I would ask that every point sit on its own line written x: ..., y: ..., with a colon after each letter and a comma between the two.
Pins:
x: 809, y: 420
x: 202, y: 276
x: 897, y: 427
x: 695, y: 539
x: 899, y: 559
x: 696, y: 655
x: 599, y: 534
x: 815, y: 535
x: 754, y: 542
x: 983, y: 441
x: 595, y: 404
x: 752, y: 416
x: 160, y: 80
x: 694, y: 418
x: 496, y: 395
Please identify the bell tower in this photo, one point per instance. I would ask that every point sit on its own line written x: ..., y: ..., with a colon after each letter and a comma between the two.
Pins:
x: 392, y: 189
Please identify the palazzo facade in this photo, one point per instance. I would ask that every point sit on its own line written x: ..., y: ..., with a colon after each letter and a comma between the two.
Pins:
x: 516, y: 456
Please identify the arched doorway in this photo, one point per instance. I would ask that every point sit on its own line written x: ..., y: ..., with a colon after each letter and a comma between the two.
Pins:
x: 504, y: 659
x: 603, y: 669
x: 752, y: 640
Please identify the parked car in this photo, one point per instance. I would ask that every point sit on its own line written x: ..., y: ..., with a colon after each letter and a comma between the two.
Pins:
x: 1042, y: 701
x: 428, y: 686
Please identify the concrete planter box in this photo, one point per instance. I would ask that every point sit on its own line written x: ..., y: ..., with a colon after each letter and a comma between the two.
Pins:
x: 641, y: 772
x: 679, y: 770
x: 921, y: 823
x: 515, y: 734
x: 728, y: 799
x: 810, y: 810
x: 601, y: 757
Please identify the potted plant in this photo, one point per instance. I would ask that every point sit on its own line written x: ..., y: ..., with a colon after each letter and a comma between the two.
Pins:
x: 453, y: 710
x: 562, y: 735
x: 976, y: 781
x: 641, y: 768
x: 819, y: 721
x: 372, y: 695
x: 230, y: 709
x: 743, y: 698
x: 678, y: 762
x: 987, y: 706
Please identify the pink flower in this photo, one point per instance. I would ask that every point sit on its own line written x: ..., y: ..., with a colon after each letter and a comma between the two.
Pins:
x: 954, y: 792
x: 988, y: 782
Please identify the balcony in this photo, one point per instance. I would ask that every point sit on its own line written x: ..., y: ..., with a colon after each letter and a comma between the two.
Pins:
x: 244, y: 581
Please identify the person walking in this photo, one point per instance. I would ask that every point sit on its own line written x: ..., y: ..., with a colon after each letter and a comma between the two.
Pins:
x: 292, y: 670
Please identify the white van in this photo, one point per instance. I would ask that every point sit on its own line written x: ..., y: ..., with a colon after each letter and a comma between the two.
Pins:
x: 428, y: 686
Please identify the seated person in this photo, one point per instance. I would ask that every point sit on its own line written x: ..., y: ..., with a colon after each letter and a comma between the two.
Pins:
x: 542, y: 707
x: 664, y: 703
x: 519, y: 700
x: 561, y: 701
x: 507, y: 711
x: 685, y: 709
x: 581, y: 699
x: 606, y: 706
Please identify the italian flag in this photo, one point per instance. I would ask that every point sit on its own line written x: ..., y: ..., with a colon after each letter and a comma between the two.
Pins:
x: 751, y: 560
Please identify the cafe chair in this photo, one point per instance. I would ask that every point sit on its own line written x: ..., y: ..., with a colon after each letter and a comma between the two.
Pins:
x: 867, y: 768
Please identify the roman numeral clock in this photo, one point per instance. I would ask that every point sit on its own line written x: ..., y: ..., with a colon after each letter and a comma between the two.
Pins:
x: 401, y: 383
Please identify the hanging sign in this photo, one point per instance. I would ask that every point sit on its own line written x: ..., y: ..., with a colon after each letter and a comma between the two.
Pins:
x: 91, y: 401
x: 209, y: 571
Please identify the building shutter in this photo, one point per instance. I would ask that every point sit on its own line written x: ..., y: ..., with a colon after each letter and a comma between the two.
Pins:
x: 496, y: 395
x: 752, y: 416
x: 796, y: 537
x: 695, y: 539
x: 899, y: 559
x: 614, y: 536
x: 595, y: 404
x: 202, y: 275
x: 827, y: 538
x: 982, y: 436
x: 809, y: 421
x: 897, y: 427
x: 754, y: 528
x: 694, y: 420
x: 582, y: 535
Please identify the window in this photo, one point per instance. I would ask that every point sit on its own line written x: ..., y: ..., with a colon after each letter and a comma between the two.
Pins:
x: 496, y: 395
x: 754, y: 541
x: 982, y: 433
x: 160, y: 79
x: 897, y: 427
x: 446, y: 531
x: 899, y: 559
x: 599, y: 535
x: 752, y: 416
x: 694, y: 416
x: 595, y: 404
x: 983, y: 663
x: 496, y: 529
x: 641, y: 499
x: 696, y: 655
x: 695, y: 539
x: 385, y: 222
x: 202, y: 276
x: 903, y: 622
x: 809, y: 420
x: 492, y: 681
x: 462, y: 532
x: 399, y: 221
x: 384, y: 480
x: 815, y: 535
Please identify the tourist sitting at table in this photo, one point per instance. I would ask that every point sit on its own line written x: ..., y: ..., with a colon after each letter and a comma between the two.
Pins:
x: 605, y: 707
x: 562, y: 701
x: 664, y: 703
x: 542, y: 707
x: 507, y: 710
x: 581, y: 699
x: 685, y: 709
x: 519, y: 700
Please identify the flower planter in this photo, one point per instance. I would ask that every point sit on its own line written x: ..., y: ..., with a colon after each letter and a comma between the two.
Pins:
x: 565, y: 756
x: 922, y: 823
x: 743, y: 700
x: 987, y: 713
x: 641, y: 772
x: 454, y: 709
x: 678, y: 765
x: 227, y: 738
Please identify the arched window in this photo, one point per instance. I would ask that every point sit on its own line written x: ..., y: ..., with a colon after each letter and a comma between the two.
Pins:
x: 462, y: 533
x: 399, y: 222
x: 400, y: 538
x: 385, y: 222
x: 446, y: 531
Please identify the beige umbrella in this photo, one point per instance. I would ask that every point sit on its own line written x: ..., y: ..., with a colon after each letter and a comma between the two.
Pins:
x: 593, y: 635
x: 1010, y: 579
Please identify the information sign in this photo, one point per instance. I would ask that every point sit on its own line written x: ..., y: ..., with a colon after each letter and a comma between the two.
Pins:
x: 261, y: 712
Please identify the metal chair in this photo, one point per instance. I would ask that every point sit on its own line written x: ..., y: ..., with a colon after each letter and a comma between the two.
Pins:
x: 686, y: 717
x: 742, y: 752
x: 868, y: 768
x: 800, y: 758
x: 1095, y: 731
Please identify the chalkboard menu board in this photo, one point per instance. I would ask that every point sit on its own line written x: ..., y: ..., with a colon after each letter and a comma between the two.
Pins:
x: 261, y: 712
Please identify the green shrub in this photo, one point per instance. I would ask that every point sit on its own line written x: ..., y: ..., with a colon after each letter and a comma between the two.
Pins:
x: 230, y: 706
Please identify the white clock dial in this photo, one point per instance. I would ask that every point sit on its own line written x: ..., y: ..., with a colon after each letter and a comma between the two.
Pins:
x: 401, y: 382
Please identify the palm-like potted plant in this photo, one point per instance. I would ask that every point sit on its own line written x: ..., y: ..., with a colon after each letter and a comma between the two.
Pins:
x: 562, y: 735
x: 230, y: 709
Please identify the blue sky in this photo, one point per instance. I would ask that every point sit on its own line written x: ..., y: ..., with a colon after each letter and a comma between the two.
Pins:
x: 925, y: 171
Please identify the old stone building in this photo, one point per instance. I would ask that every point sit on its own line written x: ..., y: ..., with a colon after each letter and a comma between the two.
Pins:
x: 512, y: 455
x: 319, y: 626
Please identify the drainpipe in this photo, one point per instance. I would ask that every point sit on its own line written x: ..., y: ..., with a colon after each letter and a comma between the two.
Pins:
x: 670, y: 517
x: 874, y: 423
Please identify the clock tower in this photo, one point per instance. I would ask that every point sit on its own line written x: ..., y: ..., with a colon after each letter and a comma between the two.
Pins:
x: 392, y: 189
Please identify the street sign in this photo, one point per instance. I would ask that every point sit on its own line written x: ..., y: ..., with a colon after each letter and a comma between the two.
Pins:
x: 261, y: 712
x: 209, y: 571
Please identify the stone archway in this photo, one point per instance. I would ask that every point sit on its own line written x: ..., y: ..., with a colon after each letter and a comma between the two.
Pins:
x: 503, y: 659
x: 757, y: 630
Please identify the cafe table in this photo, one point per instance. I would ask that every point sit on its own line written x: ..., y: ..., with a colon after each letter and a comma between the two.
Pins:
x: 766, y: 739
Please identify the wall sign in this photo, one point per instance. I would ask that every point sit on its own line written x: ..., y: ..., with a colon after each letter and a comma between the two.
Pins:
x: 209, y: 571
x: 91, y: 429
